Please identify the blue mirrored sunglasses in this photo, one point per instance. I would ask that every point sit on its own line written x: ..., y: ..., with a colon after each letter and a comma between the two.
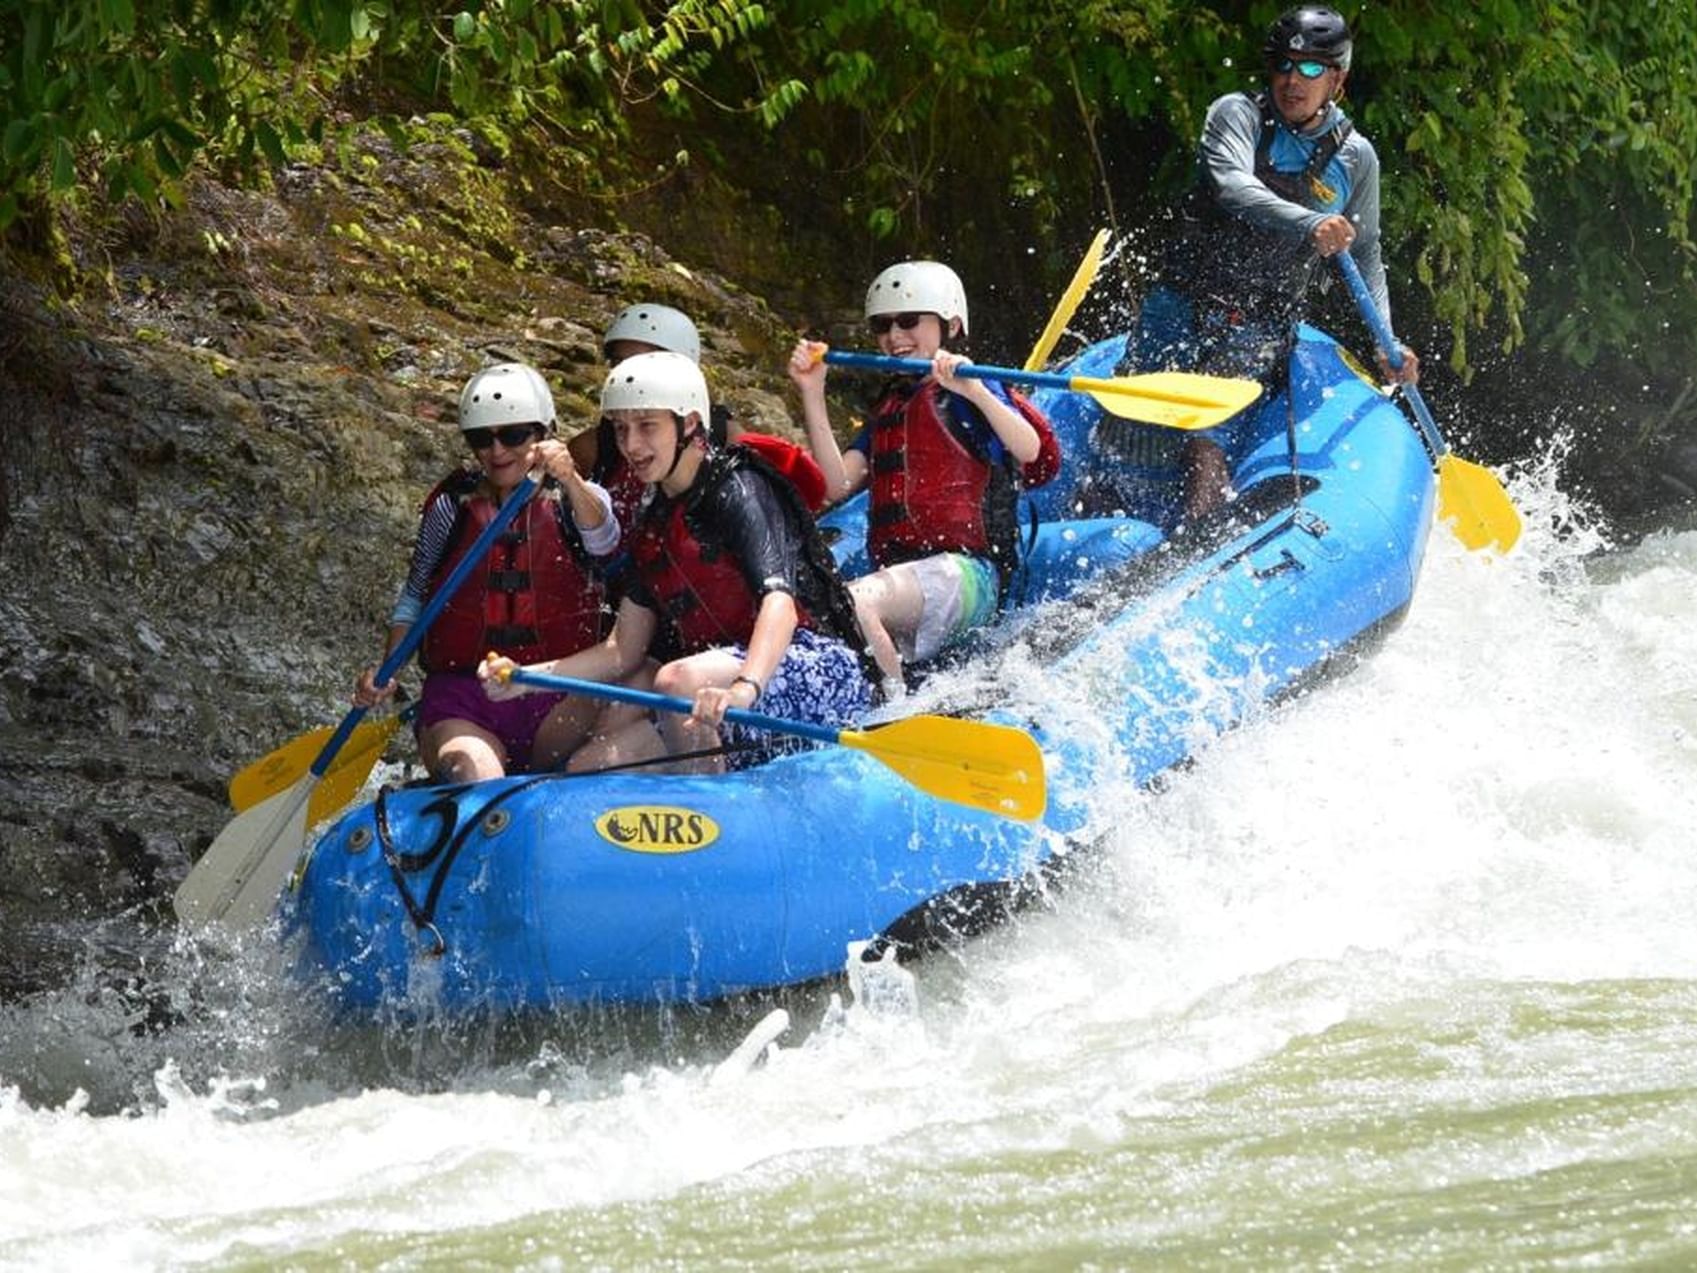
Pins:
x: 1308, y: 70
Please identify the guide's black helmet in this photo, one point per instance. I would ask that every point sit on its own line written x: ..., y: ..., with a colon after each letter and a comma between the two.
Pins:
x: 1310, y: 31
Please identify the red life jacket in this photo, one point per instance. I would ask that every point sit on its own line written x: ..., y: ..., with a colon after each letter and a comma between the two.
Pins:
x: 532, y: 597
x: 931, y: 492
x: 698, y: 586
x: 625, y: 490
x: 615, y: 477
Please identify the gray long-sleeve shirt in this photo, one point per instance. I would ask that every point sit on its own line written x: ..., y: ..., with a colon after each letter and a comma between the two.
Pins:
x: 1227, y: 155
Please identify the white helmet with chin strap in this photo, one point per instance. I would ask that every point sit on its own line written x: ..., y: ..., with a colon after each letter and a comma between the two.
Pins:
x: 925, y: 287
x: 657, y: 325
x: 661, y: 381
x: 507, y: 393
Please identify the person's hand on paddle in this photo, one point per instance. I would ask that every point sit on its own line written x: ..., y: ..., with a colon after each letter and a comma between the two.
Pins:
x: 1333, y: 235
x: 496, y: 672
x: 368, y: 693
x: 552, y: 458
x: 807, y: 365
x: 713, y: 701
x: 946, y: 366
x: 1407, y: 374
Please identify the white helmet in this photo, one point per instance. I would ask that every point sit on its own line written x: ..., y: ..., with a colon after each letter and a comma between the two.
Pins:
x: 659, y: 381
x: 657, y: 325
x: 507, y: 393
x: 925, y: 287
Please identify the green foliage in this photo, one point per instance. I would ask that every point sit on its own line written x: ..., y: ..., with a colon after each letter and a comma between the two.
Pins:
x: 136, y: 90
x: 1548, y: 153
x: 1616, y: 161
x: 918, y: 98
x: 1539, y: 156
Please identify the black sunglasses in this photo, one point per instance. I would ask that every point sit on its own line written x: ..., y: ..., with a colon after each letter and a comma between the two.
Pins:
x: 881, y: 323
x: 1309, y: 70
x: 509, y: 436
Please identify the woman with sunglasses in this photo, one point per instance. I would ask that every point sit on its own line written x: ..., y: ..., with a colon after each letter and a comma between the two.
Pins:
x: 534, y: 595
x: 942, y: 456
x: 1283, y: 181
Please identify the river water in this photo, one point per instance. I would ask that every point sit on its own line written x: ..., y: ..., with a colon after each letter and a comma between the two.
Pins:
x: 1402, y: 975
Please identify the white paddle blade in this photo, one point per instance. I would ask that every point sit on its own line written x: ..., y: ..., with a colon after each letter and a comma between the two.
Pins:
x: 236, y: 882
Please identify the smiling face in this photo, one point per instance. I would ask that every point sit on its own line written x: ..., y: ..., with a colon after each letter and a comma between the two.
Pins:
x: 910, y: 335
x: 504, y: 453
x: 649, y: 442
x: 1298, y: 98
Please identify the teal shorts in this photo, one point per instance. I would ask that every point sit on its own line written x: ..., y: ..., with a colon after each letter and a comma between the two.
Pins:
x: 958, y: 595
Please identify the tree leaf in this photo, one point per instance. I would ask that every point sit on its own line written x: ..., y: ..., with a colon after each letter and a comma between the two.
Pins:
x: 64, y: 164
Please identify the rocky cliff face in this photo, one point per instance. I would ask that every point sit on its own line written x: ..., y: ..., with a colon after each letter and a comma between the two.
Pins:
x: 210, y: 470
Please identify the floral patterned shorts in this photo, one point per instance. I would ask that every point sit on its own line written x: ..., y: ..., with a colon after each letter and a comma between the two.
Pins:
x: 819, y: 680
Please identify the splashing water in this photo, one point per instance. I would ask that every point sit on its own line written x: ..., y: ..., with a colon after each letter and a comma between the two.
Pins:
x: 1400, y: 973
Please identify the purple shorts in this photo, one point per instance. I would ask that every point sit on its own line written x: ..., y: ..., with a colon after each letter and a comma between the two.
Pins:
x: 460, y: 696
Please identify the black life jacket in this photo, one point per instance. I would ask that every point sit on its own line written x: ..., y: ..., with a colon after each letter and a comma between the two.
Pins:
x: 1221, y: 257
x: 703, y: 597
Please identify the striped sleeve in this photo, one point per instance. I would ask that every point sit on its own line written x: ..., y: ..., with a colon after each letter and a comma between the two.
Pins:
x: 434, y: 529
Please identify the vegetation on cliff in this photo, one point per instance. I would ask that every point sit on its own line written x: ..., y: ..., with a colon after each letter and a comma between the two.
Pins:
x: 1540, y: 154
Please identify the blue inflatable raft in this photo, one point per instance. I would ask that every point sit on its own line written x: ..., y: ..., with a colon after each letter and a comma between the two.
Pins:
x: 536, y: 892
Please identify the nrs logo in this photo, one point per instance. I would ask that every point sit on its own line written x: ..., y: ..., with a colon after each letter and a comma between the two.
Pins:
x: 657, y: 828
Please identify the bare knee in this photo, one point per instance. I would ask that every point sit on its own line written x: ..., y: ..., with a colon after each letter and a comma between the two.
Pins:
x: 467, y: 760
x: 631, y: 742
x: 680, y: 678
x: 458, y: 751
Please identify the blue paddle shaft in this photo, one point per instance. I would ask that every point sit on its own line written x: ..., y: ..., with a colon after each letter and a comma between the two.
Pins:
x: 922, y: 367
x: 672, y: 703
x: 1392, y: 348
x: 415, y: 634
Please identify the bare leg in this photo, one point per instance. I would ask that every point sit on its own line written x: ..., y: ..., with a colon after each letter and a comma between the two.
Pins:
x: 888, y: 604
x: 458, y: 751
x: 630, y: 743
x: 683, y: 677
x: 562, y: 732
x: 620, y: 733
x: 1206, y: 477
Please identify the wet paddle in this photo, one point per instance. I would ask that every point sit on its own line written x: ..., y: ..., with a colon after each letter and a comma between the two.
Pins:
x: 1176, y: 399
x: 282, y: 768
x: 1068, y: 305
x: 992, y: 767
x: 1469, y: 495
x: 236, y: 881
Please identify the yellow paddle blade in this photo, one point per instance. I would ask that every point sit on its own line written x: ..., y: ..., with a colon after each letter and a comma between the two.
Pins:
x: 1474, y: 502
x: 1068, y: 305
x: 285, y: 766
x: 278, y: 770
x: 1176, y: 399
x: 352, y: 766
x: 992, y: 767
